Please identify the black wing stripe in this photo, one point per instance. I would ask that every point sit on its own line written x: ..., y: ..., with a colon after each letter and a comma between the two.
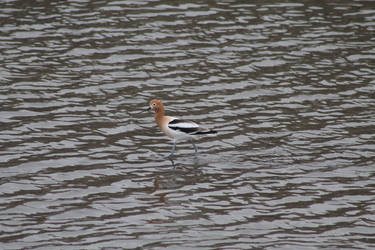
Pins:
x: 185, y: 130
x: 176, y: 121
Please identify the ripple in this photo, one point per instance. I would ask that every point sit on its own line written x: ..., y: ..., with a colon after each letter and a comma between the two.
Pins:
x: 289, y: 87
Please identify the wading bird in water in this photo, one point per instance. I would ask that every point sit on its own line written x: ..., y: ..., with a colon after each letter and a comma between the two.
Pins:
x: 176, y: 128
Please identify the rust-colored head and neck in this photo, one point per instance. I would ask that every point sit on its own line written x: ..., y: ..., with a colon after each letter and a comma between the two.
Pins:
x: 158, y: 107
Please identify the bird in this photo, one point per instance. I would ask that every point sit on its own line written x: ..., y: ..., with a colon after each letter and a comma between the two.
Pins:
x: 176, y: 128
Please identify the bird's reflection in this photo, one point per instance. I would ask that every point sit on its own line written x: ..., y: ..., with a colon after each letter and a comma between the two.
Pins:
x: 173, y: 179
x: 195, y: 163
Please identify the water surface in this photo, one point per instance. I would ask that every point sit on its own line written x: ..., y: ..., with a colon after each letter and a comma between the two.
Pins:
x: 289, y: 85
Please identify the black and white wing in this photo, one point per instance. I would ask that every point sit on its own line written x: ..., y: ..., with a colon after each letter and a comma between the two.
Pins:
x: 184, y: 126
x: 188, y: 127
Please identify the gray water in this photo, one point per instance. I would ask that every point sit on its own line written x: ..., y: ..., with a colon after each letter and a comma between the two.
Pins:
x: 289, y: 86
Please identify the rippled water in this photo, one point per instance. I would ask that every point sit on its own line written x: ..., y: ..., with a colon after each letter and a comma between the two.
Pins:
x: 289, y: 85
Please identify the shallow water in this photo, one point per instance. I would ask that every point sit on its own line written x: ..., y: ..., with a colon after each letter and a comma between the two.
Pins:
x: 289, y: 85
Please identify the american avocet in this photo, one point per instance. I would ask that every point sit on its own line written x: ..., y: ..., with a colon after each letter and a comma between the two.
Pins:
x: 176, y: 128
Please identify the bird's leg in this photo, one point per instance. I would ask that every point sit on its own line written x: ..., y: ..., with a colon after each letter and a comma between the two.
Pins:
x: 173, y: 150
x: 174, y: 166
x: 195, y: 149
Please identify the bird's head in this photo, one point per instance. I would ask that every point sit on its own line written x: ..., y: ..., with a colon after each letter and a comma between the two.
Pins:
x: 156, y: 105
